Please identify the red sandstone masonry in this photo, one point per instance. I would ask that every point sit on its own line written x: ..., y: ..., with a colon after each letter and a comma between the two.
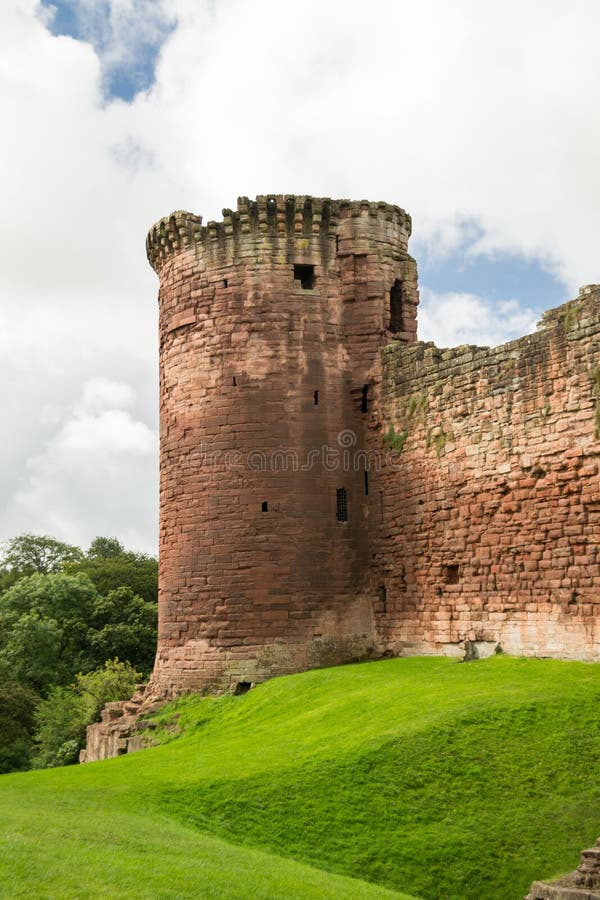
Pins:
x: 257, y: 370
x: 492, y: 525
x: 485, y: 530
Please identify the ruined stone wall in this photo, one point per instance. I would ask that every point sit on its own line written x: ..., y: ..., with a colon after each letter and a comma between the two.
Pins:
x: 490, y: 524
x: 271, y: 325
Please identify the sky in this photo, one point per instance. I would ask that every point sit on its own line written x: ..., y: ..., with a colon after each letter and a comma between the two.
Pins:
x: 479, y: 118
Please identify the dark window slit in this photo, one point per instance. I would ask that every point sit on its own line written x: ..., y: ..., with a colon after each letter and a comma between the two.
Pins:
x: 341, y: 505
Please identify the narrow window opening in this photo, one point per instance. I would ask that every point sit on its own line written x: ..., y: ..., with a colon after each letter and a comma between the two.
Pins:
x: 242, y: 687
x: 342, y: 505
x: 305, y: 275
x: 396, y: 293
x: 265, y: 506
x: 337, y: 243
x: 316, y: 396
x: 366, y: 483
x: 451, y: 573
x: 364, y: 403
x: 225, y: 283
x: 382, y: 597
x: 234, y: 381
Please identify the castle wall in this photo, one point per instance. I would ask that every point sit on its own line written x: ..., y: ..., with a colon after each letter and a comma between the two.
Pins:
x: 289, y: 371
x: 491, y: 515
x: 263, y: 380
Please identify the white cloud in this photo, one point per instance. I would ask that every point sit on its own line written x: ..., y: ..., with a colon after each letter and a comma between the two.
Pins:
x: 122, y: 32
x: 101, y: 394
x: 454, y: 318
x: 94, y: 475
x: 480, y: 119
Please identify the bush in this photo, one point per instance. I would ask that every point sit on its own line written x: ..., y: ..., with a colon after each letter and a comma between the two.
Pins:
x: 60, y: 719
x: 17, y: 704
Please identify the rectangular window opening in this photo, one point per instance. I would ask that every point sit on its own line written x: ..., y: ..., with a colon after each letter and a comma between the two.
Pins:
x: 265, y: 506
x: 305, y: 275
x: 396, y: 298
x: 382, y: 597
x: 234, y: 381
x: 364, y: 402
x: 451, y: 573
x: 316, y: 396
x: 342, y: 505
x: 337, y: 243
x: 366, y: 483
x: 225, y: 283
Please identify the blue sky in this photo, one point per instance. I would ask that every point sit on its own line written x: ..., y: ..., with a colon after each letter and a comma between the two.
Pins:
x: 503, y: 277
x: 479, y: 119
x: 91, y: 22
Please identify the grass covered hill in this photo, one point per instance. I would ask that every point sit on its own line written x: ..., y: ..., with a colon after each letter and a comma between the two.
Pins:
x: 424, y: 776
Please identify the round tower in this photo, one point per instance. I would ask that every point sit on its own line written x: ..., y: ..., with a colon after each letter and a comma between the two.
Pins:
x: 271, y: 323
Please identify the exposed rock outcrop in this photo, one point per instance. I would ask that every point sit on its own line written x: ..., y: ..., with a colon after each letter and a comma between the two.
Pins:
x: 121, y: 729
x: 582, y: 884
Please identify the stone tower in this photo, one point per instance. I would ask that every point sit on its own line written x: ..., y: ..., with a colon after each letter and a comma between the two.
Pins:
x: 271, y: 326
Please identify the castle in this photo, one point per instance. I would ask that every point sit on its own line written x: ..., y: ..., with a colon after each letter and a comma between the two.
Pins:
x: 331, y: 488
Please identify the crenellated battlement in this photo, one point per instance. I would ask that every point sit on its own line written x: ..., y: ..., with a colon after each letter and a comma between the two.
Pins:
x: 170, y: 235
x: 286, y: 216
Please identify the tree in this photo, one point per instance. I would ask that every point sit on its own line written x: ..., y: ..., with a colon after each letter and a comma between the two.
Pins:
x: 53, y: 626
x: 114, y: 681
x: 110, y: 567
x: 31, y: 651
x: 63, y: 717
x: 61, y: 721
x: 30, y: 553
x: 44, y: 629
x: 105, y: 548
x: 17, y: 704
x: 124, y: 627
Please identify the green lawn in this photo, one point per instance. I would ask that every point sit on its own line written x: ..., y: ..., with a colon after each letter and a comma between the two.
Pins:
x: 427, y: 776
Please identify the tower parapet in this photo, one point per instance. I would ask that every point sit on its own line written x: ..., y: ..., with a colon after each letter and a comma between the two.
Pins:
x: 287, y: 216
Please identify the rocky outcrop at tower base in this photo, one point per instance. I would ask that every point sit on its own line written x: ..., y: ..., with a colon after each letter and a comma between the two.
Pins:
x: 121, y: 728
x: 583, y: 884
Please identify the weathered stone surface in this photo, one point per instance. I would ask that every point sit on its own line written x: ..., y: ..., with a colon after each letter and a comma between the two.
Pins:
x: 583, y: 884
x: 271, y: 325
x: 118, y: 731
x: 491, y: 517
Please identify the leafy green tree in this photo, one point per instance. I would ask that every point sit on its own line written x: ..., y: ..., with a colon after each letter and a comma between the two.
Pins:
x: 17, y: 704
x: 44, y: 628
x: 110, y: 567
x: 31, y: 553
x: 63, y: 717
x: 31, y: 651
x: 61, y: 721
x: 124, y: 627
x: 105, y: 548
x: 114, y: 681
x: 8, y: 577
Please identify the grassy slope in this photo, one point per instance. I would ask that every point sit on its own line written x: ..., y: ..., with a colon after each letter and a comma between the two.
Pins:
x: 424, y: 775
